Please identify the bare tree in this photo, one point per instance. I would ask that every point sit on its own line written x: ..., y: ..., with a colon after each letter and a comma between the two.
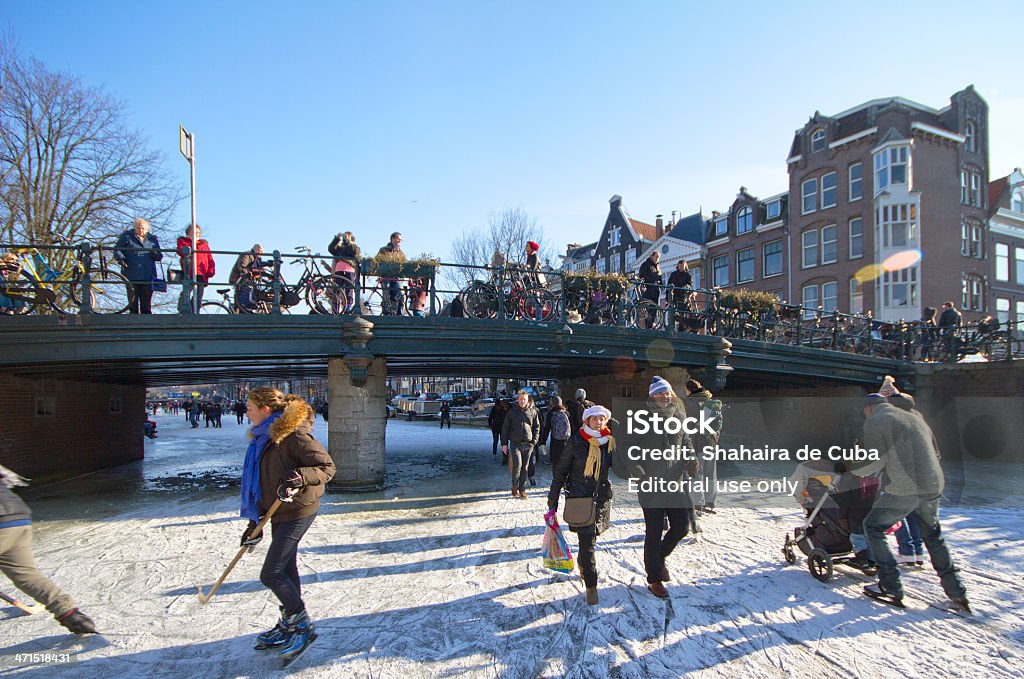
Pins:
x: 507, y: 233
x: 70, y: 166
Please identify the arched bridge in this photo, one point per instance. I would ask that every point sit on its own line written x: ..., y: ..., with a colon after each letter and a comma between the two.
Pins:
x: 166, y: 349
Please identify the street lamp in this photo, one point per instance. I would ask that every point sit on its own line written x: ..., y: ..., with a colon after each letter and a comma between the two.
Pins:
x: 187, y: 146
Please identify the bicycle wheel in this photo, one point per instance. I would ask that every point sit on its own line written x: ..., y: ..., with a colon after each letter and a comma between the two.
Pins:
x: 646, y: 315
x: 538, y: 304
x: 109, y: 293
x: 253, y: 295
x: 18, y: 297
x: 330, y: 294
x: 481, y: 301
x: 215, y: 309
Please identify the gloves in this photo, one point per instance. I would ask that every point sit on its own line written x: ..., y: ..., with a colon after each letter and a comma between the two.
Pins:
x: 289, y: 486
x: 249, y: 538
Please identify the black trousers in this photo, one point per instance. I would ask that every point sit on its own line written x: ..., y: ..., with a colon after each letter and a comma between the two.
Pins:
x: 587, y: 556
x: 280, y: 572
x: 658, y: 544
x: 555, y: 450
x: 497, y: 438
x: 141, y: 299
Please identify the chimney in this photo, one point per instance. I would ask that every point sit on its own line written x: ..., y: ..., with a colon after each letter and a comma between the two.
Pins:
x: 674, y: 213
x: 715, y: 214
x: 659, y: 225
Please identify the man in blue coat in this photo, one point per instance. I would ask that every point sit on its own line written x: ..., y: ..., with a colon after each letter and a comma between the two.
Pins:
x: 138, y: 251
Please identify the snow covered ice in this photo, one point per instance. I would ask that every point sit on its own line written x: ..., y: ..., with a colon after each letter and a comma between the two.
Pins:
x: 439, y: 575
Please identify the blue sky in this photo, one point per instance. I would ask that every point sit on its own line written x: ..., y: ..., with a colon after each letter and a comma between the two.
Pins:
x: 316, y: 117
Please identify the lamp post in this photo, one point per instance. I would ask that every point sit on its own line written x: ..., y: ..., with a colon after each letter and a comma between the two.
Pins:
x: 187, y: 146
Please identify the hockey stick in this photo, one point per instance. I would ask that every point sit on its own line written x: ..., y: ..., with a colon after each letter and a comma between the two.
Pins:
x: 30, y: 609
x: 205, y: 598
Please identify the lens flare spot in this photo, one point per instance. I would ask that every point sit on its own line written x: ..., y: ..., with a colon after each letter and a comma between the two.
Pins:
x: 868, y: 273
x: 901, y: 260
x: 624, y: 368
x: 660, y: 353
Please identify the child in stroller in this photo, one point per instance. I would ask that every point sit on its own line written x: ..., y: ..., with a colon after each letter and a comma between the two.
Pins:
x: 835, y: 503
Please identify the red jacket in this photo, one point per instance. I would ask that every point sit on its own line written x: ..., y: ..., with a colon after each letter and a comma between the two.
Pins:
x: 205, y: 266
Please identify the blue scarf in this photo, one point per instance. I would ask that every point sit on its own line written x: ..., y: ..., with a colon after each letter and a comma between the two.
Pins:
x: 251, y: 468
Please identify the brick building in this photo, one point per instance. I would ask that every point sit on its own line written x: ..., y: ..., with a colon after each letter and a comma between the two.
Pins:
x: 748, y: 245
x: 888, y: 208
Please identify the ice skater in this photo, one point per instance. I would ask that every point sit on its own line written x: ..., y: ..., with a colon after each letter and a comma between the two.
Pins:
x: 284, y: 462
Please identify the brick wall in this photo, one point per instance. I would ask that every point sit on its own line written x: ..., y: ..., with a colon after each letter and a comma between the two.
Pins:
x: 54, y: 429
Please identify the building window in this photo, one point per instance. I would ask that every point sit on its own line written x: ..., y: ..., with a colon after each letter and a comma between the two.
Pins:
x: 890, y: 167
x: 613, y: 263
x: 772, y: 258
x: 898, y: 224
x: 973, y: 293
x: 1017, y: 202
x: 829, y: 244
x: 809, y: 300
x: 809, y: 194
x: 744, y: 221
x: 809, y: 239
x: 46, y: 406
x: 1018, y: 256
x: 970, y: 142
x: 856, y: 238
x: 970, y: 239
x: 963, y: 187
x: 722, y: 227
x: 828, y: 190
x: 899, y: 288
x: 829, y: 296
x: 1020, y: 316
x: 856, y: 181
x: 974, y: 195
x: 1002, y: 262
x: 745, y: 265
x: 695, y: 272
x: 1003, y: 310
x: 720, y: 271
x: 856, y: 297
x: 600, y: 265
x: 614, y: 237
x: 773, y: 210
x: 630, y: 259
x: 817, y: 141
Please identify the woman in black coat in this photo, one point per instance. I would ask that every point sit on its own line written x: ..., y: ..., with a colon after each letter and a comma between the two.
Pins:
x: 583, y: 472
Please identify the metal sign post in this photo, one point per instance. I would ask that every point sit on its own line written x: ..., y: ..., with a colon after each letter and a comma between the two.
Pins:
x: 187, y: 146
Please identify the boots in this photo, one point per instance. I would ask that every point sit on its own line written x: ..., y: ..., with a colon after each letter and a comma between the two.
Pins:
x: 592, y: 596
x: 275, y: 636
x: 77, y: 621
x: 657, y: 589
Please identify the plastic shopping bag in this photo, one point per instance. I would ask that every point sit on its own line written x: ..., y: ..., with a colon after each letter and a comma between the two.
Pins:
x: 554, y: 550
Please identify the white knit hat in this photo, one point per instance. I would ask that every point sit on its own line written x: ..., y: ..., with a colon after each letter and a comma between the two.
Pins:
x: 596, y: 410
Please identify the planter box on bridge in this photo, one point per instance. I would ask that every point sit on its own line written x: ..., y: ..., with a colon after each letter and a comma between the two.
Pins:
x: 391, y: 269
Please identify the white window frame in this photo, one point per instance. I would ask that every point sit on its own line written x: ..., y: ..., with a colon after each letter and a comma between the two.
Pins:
x: 722, y: 227
x: 856, y: 184
x: 1003, y: 262
x: 614, y: 236
x: 810, y: 303
x: 974, y: 192
x: 765, y: 271
x: 834, y: 241
x: 829, y: 193
x: 744, y: 214
x: 970, y: 138
x: 805, y: 247
x: 829, y: 302
x: 809, y: 192
x: 1018, y: 265
x: 818, y: 140
x: 963, y: 188
x: 905, y: 279
x: 630, y: 259
x: 1017, y: 201
x: 973, y: 293
x: 773, y: 210
x: 885, y: 160
x: 600, y: 265
x: 857, y: 239
x: 753, y: 265
x: 1003, y: 310
x: 613, y: 263
x: 1020, y: 315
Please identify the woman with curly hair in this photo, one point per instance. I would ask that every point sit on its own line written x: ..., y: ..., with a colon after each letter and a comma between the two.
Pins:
x: 283, y: 462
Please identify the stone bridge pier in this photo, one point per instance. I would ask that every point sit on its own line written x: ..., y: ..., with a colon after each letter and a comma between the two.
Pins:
x: 356, y: 421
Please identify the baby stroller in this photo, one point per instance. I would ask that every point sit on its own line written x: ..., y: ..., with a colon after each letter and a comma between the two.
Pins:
x: 831, y: 502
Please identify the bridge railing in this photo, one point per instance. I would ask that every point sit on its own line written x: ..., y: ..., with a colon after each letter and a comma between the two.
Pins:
x: 52, y: 279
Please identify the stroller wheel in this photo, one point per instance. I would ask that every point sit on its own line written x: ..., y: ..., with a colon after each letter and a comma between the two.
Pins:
x: 787, y: 551
x: 819, y: 563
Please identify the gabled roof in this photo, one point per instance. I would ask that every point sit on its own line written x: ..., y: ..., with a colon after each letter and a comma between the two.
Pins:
x: 643, y: 229
x: 692, y: 228
x: 995, y: 190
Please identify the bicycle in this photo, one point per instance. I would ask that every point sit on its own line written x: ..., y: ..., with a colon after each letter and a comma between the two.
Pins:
x: 643, y: 312
x: 30, y: 282
x: 522, y: 298
x: 325, y: 292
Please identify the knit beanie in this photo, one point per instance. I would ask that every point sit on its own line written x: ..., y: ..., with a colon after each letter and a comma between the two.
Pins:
x: 658, y: 385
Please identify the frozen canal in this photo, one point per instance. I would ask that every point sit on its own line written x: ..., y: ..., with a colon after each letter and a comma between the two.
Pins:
x: 438, y: 575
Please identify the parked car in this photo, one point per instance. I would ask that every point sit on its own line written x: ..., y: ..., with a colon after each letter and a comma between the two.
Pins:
x: 429, y: 396
x: 457, y: 398
x: 482, y: 405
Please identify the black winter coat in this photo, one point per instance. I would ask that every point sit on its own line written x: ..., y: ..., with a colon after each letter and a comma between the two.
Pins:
x: 569, y: 474
x: 521, y: 426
